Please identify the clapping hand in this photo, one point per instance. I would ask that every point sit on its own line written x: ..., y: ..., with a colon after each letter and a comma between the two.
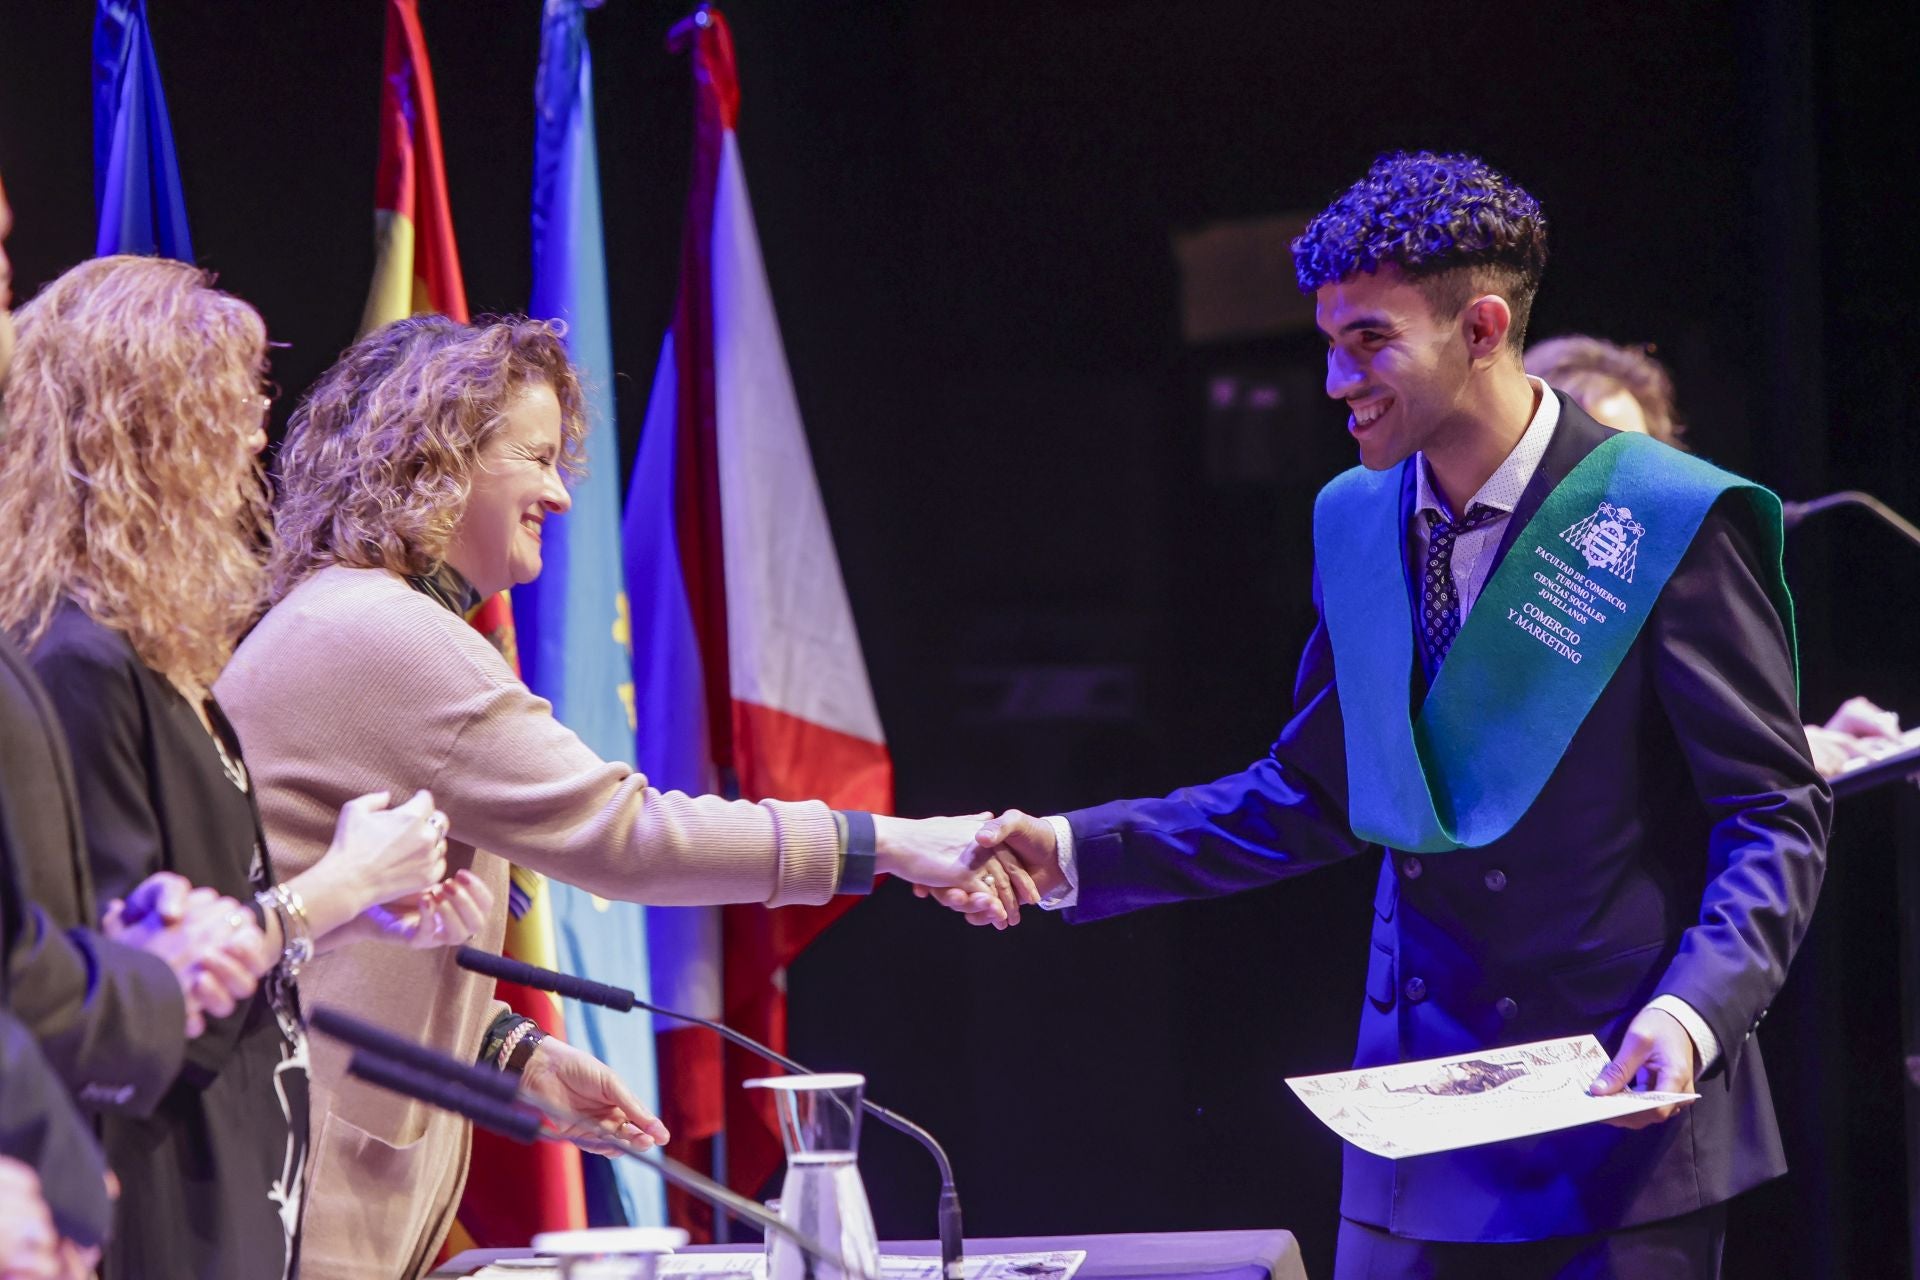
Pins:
x: 387, y: 853
x: 447, y: 915
x: 212, y: 943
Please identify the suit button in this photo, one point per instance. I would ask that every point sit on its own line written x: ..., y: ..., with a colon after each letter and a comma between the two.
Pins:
x: 1507, y: 1007
x: 1416, y: 989
x: 1496, y: 880
x: 1411, y: 868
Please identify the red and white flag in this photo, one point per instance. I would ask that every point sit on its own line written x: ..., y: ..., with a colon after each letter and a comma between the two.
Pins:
x: 748, y: 674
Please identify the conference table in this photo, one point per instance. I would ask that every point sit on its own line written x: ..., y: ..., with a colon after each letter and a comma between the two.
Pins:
x: 1162, y: 1255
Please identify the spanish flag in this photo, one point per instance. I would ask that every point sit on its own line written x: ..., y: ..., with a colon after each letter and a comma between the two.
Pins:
x: 512, y: 1192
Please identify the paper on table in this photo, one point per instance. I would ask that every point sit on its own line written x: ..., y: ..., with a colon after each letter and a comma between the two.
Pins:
x: 1057, y: 1265
x: 1444, y: 1104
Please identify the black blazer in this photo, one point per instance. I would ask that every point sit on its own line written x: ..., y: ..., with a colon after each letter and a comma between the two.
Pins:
x: 81, y: 1015
x: 149, y: 782
x: 110, y: 1019
x: 205, y: 1176
x: 1677, y: 848
x: 39, y: 1126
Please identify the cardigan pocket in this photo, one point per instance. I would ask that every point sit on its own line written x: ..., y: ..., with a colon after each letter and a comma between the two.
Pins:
x: 367, y: 1200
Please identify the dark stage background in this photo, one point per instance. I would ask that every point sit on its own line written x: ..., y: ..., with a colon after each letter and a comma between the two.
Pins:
x: 1072, y: 577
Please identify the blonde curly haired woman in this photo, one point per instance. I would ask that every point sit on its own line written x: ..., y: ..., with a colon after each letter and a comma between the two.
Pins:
x: 133, y: 521
x: 414, y: 482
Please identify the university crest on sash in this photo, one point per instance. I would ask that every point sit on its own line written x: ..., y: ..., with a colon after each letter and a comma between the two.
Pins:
x: 1608, y: 539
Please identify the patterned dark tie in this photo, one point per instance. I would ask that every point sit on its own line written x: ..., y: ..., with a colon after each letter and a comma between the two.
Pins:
x: 1439, y: 602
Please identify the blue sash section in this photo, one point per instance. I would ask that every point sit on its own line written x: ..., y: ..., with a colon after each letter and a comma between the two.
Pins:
x: 1554, y: 622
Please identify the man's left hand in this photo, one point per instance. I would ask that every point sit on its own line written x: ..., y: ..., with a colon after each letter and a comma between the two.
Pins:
x: 567, y: 1077
x: 1657, y: 1054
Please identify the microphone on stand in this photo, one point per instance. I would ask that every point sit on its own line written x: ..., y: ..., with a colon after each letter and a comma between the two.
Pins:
x: 426, y: 1075
x: 521, y: 1124
x: 1792, y: 513
x: 952, y: 1250
x: 495, y: 1086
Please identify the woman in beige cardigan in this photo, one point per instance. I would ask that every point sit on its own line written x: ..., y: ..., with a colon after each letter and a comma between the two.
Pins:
x: 414, y: 481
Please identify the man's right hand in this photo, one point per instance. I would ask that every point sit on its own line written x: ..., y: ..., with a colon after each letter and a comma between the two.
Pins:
x: 212, y: 944
x: 1024, y: 866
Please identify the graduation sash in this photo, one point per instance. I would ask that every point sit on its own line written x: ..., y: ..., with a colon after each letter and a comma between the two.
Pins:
x: 1547, y: 632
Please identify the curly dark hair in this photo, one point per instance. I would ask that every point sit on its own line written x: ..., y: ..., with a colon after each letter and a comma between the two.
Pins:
x: 1452, y: 224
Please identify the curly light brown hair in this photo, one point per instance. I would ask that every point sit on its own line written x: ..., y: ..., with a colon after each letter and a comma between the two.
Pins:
x: 379, y: 457
x: 1591, y: 369
x: 127, y: 478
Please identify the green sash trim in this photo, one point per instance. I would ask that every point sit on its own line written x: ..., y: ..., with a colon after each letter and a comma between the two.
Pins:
x: 1545, y: 636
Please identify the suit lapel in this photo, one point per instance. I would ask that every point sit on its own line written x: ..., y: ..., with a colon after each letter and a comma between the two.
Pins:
x: 1575, y: 436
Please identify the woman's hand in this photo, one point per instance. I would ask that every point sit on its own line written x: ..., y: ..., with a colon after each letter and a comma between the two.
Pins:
x: 566, y: 1077
x: 378, y: 855
x: 211, y: 943
x: 447, y: 915
x: 389, y: 854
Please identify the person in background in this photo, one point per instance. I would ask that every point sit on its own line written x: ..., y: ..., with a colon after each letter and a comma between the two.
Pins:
x: 1622, y: 387
x: 1627, y: 389
x: 133, y: 517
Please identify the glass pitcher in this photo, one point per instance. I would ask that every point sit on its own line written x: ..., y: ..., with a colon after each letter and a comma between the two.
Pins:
x: 822, y: 1197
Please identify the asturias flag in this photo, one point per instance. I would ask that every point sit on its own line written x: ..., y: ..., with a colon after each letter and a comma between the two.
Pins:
x: 136, y: 179
x: 746, y: 663
x: 575, y: 649
x: 512, y: 1191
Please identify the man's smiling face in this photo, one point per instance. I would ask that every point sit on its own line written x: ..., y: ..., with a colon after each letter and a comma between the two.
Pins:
x: 1400, y: 369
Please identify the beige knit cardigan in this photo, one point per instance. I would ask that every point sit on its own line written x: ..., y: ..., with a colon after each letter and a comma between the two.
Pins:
x: 355, y: 682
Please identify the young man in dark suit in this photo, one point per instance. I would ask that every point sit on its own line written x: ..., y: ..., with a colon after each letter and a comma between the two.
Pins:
x: 1576, y: 740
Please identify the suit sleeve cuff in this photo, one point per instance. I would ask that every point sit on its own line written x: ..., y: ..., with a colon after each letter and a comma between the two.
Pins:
x: 1705, y: 1044
x: 857, y: 855
x: 1068, y: 894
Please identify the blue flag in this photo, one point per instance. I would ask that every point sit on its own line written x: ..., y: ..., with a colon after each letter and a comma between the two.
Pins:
x: 136, y: 179
x: 573, y: 623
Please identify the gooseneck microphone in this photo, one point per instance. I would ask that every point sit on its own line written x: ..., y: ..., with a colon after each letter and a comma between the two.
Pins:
x: 496, y: 1086
x: 1792, y: 513
x: 522, y: 1124
x: 952, y: 1251
x: 426, y: 1075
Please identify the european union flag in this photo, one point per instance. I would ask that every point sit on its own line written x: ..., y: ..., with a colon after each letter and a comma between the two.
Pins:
x: 136, y: 179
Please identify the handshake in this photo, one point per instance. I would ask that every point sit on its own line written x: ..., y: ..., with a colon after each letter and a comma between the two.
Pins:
x: 984, y: 867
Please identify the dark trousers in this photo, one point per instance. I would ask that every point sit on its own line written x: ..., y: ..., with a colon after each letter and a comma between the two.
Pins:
x: 1683, y: 1248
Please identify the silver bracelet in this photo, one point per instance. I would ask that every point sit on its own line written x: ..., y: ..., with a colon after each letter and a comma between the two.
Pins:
x: 296, y: 930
